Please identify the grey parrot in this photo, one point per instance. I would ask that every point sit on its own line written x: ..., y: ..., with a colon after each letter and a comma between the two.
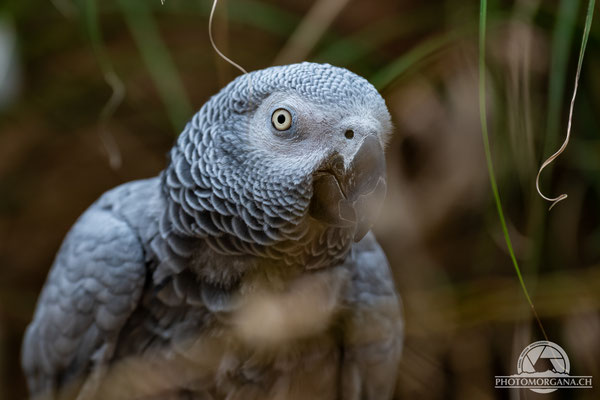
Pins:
x: 245, y: 270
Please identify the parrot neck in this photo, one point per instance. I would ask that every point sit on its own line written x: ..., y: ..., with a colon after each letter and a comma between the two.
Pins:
x: 268, y: 220
x: 309, y: 245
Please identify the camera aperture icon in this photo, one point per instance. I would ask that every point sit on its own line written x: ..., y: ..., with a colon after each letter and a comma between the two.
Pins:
x: 545, y: 358
x: 543, y: 367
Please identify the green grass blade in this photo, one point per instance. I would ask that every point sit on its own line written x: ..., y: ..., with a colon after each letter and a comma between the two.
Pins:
x: 361, y: 44
x: 488, y: 154
x: 388, y: 74
x: 258, y: 14
x: 157, y: 58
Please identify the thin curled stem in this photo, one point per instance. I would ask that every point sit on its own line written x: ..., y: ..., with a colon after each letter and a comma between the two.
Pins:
x: 586, y: 33
x: 212, y: 40
x: 223, y: 56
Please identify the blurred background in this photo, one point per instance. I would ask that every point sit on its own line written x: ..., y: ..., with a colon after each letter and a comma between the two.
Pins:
x: 93, y: 94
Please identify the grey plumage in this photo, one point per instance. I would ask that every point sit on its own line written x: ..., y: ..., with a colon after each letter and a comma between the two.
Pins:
x: 235, y: 273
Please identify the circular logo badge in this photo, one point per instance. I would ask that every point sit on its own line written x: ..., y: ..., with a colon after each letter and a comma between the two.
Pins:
x: 543, y: 359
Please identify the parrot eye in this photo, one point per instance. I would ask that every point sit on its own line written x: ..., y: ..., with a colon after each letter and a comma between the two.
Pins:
x: 281, y: 119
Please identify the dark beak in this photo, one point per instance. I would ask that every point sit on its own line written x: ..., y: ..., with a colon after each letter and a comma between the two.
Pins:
x: 351, y: 197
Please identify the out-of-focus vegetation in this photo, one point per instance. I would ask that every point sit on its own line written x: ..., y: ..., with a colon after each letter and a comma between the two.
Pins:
x: 84, y: 82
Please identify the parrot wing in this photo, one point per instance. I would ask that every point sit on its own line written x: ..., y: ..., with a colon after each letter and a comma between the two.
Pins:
x: 93, y: 287
x: 373, y: 330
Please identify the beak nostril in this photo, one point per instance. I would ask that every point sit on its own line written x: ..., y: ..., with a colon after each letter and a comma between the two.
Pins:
x: 349, y: 134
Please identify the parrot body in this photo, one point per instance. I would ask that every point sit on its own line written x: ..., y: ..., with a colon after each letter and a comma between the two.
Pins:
x: 245, y: 270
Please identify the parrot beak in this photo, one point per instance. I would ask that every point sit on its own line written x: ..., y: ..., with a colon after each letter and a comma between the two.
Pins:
x: 351, y: 197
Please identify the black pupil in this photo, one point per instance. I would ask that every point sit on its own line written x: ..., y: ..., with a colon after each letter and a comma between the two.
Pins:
x: 281, y: 118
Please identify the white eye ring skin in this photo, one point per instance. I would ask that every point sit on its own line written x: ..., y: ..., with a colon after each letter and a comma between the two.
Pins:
x: 281, y: 119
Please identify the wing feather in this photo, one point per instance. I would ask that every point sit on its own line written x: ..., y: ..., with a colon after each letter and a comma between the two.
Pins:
x: 93, y: 287
x: 373, y: 329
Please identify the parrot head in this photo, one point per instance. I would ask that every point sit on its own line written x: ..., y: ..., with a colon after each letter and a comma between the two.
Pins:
x: 282, y: 159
